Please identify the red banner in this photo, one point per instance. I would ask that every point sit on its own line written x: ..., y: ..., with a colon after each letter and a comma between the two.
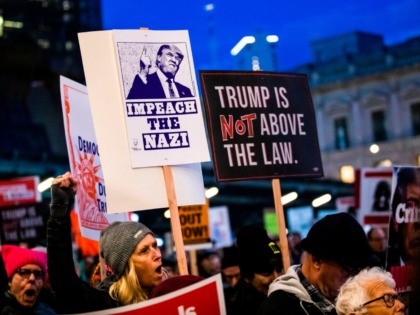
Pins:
x: 201, y: 298
x: 19, y: 191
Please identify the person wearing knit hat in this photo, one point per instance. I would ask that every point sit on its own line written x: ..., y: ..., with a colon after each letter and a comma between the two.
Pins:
x: 336, y: 248
x: 129, y: 249
x: 26, y: 270
x: 260, y: 263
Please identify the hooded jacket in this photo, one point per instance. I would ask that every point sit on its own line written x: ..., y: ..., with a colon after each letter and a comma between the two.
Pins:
x: 287, y: 295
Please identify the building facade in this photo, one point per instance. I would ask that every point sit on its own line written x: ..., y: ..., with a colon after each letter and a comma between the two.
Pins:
x: 365, y: 93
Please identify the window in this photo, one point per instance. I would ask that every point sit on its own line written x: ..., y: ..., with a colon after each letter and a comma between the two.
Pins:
x: 415, y: 118
x: 378, y: 125
x: 341, y: 135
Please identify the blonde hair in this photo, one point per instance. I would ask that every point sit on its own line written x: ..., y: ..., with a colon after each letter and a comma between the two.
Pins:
x: 127, y: 290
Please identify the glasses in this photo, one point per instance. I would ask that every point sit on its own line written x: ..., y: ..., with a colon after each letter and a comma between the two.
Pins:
x: 26, y: 273
x: 388, y: 298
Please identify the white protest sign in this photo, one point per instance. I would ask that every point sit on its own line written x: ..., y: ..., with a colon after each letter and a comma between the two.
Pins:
x: 85, y: 163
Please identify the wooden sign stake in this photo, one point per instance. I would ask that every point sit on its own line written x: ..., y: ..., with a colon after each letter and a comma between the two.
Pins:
x: 175, y: 222
x: 284, y: 246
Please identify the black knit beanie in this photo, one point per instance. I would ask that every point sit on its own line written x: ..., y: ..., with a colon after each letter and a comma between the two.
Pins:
x: 118, y: 241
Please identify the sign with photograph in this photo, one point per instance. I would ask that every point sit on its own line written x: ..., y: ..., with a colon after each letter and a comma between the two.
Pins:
x: 162, y: 109
x: 132, y: 188
x: 404, y: 233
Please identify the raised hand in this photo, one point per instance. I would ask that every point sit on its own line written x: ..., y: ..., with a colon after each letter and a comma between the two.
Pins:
x: 63, y: 190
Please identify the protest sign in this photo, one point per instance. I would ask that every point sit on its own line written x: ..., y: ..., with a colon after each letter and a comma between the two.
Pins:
x: 195, y: 226
x: 129, y: 186
x: 404, y: 233
x: 85, y: 163
x: 19, y: 191
x: 202, y: 298
x: 26, y: 223
x: 261, y: 125
x: 375, y: 196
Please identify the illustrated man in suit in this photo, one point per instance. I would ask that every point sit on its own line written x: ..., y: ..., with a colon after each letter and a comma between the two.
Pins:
x: 159, y: 84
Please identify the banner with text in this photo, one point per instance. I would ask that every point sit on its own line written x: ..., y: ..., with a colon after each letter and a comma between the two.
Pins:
x: 85, y: 163
x: 195, y: 226
x: 261, y: 125
x: 19, y: 191
x: 26, y: 223
x: 375, y: 196
x: 202, y: 298
x: 404, y: 233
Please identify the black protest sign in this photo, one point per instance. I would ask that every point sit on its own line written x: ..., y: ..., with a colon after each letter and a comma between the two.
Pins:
x: 261, y: 125
x: 23, y: 224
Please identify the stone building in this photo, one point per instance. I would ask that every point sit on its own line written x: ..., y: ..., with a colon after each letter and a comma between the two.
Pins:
x: 365, y: 93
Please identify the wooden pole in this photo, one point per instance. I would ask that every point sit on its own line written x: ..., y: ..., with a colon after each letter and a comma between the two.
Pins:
x: 284, y: 246
x: 175, y: 223
x: 193, y: 262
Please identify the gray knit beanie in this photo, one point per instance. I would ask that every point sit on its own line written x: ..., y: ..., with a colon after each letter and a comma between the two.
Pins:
x: 118, y: 241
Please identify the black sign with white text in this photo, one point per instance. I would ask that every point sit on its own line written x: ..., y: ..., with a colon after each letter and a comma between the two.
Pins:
x: 261, y: 125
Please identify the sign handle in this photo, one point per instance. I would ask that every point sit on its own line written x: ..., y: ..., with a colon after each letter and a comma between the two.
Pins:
x: 193, y: 262
x: 175, y: 222
x: 284, y: 246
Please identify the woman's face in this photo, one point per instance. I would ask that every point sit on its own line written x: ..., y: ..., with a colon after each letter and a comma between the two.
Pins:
x: 147, y: 261
x: 26, y: 284
x: 376, y: 290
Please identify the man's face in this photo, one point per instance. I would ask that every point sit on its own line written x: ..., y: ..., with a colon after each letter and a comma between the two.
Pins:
x: 330, y: 277
x: 377, y: 240
x: 169, y: 61
x: 211, y: 264
x: 232, y: 275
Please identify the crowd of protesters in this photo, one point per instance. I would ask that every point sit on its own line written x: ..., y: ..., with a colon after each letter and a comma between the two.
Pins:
x: 336, y: 269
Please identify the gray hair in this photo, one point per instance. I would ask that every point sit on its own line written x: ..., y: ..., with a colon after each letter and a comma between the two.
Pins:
x: 353, y: 292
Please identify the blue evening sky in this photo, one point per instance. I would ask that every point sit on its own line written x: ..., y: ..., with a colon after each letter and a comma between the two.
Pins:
x: 296, y: 23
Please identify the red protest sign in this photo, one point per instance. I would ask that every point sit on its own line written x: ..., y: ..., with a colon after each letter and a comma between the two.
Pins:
x: 203, y: 297
x: 19, y: 191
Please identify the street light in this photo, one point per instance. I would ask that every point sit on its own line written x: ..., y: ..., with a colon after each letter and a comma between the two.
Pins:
x: 241, y: 44
x: 321, y: 200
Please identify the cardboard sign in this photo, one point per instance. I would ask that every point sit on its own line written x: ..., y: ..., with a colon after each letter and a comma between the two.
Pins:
x: 261, y: 124
x: 23, y: 223
x: 85, y: 162
x: 202, y: 298
x: 375, y: 196
x: 163, y: 118
x: 155, y: 129
x: 128, y: 188
x: 19, y: 191
x: 404, y: 234
x: 195, y: 225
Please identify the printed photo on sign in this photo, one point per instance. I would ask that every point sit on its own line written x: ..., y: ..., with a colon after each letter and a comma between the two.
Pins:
x: 161, y: 107
x: 404, y: 227
x: 375, y: 196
